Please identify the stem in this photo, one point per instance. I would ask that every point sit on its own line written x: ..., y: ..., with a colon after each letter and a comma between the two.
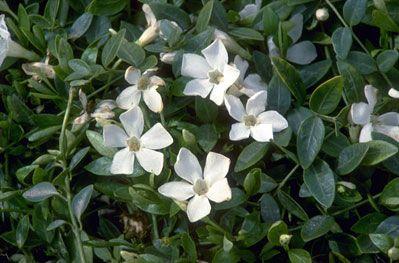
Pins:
x: 162, y: 119
x: 62, y: 140
x: 356, y: 39
x: 209, y: 221
x: 104, y: 87
x: 155, y: 226
x: 355, y: 205
x: 75, y: 228
x: 284, y: 181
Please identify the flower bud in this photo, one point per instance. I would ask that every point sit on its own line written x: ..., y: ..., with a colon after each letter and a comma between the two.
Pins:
x: 393, y: 253
x: 322, y: 14
x: 285, y: 239
x: 188, y: 137
x: 167, y: 57
x: 152, y: 30
x: 230, y: 44
x: 394, y: 93
x: 37, y: 69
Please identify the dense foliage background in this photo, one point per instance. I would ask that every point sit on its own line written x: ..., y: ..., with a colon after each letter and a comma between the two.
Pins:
x: 313, y: 194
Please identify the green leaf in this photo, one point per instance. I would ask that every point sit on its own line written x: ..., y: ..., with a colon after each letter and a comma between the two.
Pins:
x: 298, y: 255
x: 313, y: 73
x: 342, y: 41
x: 219, y: 16
x: 80, y: 26
x: 246, y: 33
x: 19, y: 111
x: 390, y: 195
x: 23, y: 18
x: 189, y: 246
x: 22, y: 231
x: 269, y: 209
x: 278, y: 96
x: 368, y: 223
x: 309, y: 140
x: 97, y: 142
x: 353, y: 83
x: 250, y: 155
x: 275, y: 231
x: 382, y: 241
x: 111, y: 48
x: 81, y: 201
x: 252, y: 181
x: 316, y: 227
x: 78, y: 157
x: 319, y: 180
x: 378, y: 152
x: 206, y: 110
x: 354, y: 11
x: 326, y: 97
x: 172, y: 13
x: 147, y: 200
x: 387, y: 59
x: 384, y: 21
x: 207, y: 137
x: 40, y: 192
x: 100, y: 166
x: 263, y: 65
x: 351, y: 157
x: 292, y: 206
x: 290, y: 77
x: 106, y: 8
x: 131, y: 53
x: 389, y: 226
x: 55, y: 224
x: 270, y: 21
x: 204, y: 17
x: 363, y: 62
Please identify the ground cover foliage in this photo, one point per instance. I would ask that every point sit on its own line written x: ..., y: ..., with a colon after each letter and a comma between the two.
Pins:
x: 199, y: 131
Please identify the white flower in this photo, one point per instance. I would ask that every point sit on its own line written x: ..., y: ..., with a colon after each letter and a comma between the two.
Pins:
x: 167, y: 57
x: 322, y: 14
x: 248, y: 85
x: 211, y: 74
x: 145, y: 85
x: 394, y: 93
x: 136, y: 145
x: 198, y: 185
x: 152, y: 30
x: 9, y: 48
x: 362, y: 114
x: 254, y: 121
x: 103, y: 112
x: 249, y: 11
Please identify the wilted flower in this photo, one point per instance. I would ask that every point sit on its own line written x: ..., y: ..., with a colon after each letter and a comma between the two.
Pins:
x: 167, y: 57
x: 152, y: 30
x: 197, y: 185
x: 103, y: 111
x: 9, y: 48
x: 362, y: 114
x: 248, y: 85
x: 393, y: 93
x: 249, y: 11
x: 322, y: 14
x: 84, y: 115
x: 211, y: 74
x: 145, y: 85
x: 254, y: 121
x: 135, y: 144
x: 38, y: 69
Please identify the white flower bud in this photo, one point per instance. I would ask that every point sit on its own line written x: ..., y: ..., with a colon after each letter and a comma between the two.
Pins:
x: 167, y: 57
x: 394, y: 93
x: 152, y: 30
x: 322, y: 14
x: 285, y: 239
x: 393, y: 253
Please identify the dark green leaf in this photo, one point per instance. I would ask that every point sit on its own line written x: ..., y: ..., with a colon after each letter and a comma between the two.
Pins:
x: 250, y: 155
x: 351, y: 157
x: 327, y: 96
x: 309, y: 141
x: 354, y: 11
x: 316, y: 227
x: 40, y: 192
x: 342, y: 41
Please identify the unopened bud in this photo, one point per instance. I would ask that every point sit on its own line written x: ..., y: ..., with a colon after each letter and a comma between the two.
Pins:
x: 188, y: 137
x: 322, y: 14
x: 393, y: 253
x: 285, y: 239
x: 167, y: 57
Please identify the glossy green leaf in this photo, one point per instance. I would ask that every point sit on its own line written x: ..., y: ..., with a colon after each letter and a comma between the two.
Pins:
x: 326, y: 97
x: 351, y: 157
x: 309, y: 140
x: 316, y: 227
x: 342, y: 41
x: 250, y: 155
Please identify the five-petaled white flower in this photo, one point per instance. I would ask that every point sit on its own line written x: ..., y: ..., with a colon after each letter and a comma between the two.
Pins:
x: 211, y: 74
x: 254, y: 120
x: 362, y: 114
x: 394, y: 93
x: 145, y: 85
x: 201, y: 186
x: 248, y: 85
x: 136, y: 145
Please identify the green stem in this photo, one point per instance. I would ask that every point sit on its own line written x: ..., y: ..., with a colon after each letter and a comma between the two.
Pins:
x: 155, y: 226
x: 104, y: 87
x: 356, y: 39
x: 284, y: 181
x: 62, y: 140
x: 209, y: 221
x: 355, y: 205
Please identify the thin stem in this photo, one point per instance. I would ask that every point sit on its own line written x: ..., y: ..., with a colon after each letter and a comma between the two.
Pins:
x: 62, y: 140
x: 155, y: 226
x: 104, y: 87
x: 356, y: 38
x: 284, y: 181
x: 355, y: 205
x: 209, y: 221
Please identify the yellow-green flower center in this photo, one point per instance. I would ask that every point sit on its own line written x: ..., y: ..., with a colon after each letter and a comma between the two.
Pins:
x: 215, y: 76
x: 200, y: 187
x: 250, y: 120
x: 134, y: 144
x: 143, y: 83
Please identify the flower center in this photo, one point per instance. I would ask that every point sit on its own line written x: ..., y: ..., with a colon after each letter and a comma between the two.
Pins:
x: 250, y: 120
x: 134, y: 144
x: 215, y: 76
x: 200, y: 187
x: 143, y: 83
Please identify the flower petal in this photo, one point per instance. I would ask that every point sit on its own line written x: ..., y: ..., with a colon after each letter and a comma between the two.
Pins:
x: 360, y: 113
x: 198, y: 207
x: 177, y: 190
x: 123, y: 162
x: 391, y: 131
x: 394, y: 93
x: 253, y: 84
x: 241, y: 65
x: 132, y: 75
x: 187, y: 166
x: 114, y: 136
x: 248, y: 12
x: 198, y: 87
x: 230, y: 76
x: 257, y: 103
x: 371, y: 95
x: 216, y: 55
x: 274, y: 118
x: 216, y: 167
x: 217, y: 94
x: 156, y: 138
x: 220, y: 191
x: 157, y: 81
x: 128, y: 98
x: 389, y: 118
x: 150, y: 160
x: 133, y: 122
x: 239, y: 131
x: 153, y: 100
x: 234, y: 107
x: 262, y: 132
x: 194, y: 66
x: 365, y: 133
